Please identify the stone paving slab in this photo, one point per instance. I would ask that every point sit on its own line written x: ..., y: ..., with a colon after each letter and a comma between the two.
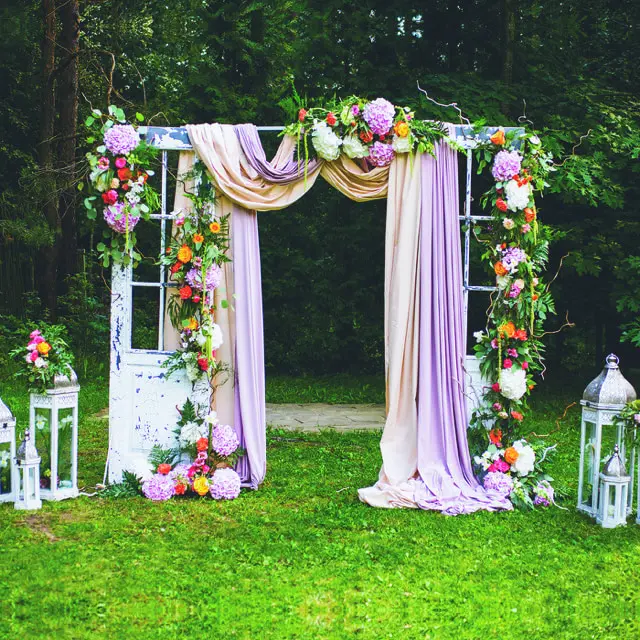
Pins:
x: 317, y: 416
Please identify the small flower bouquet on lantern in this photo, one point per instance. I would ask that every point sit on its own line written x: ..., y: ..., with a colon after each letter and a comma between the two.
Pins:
x: 205, y: 455
x: 119, y: 167
x: 45, y: 356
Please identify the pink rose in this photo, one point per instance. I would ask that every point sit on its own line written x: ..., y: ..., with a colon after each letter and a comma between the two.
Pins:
x: 525, y: 365
x: 499, y: 465
x: 35, y: 333
x: 103, y: 163
x: 495, y: 387
x: 507, y: 364
x: 121, y: 162
x: 512, y: 353
x: 494, y: 343
x: 33, y: 356
x: 497, y: 406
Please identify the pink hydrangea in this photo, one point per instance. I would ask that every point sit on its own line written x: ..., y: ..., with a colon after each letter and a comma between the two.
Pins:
x: 224, y: 440
x: 379, y: 115
x: 225, y: 485
x: 381, y: 154
x: 506, y: 164
x: 498, y: 482
x: 121, y: 139
x: 214, y: 278
x: 115, y: 217
x: 159, y: 487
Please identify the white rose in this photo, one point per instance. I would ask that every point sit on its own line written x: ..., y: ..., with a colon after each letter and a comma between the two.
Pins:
x: 354, y: 148
x: 517, y: 197
x: 513, y: 383
x: 325, y: 141
x: 526, y: 458
x: 401, y: 145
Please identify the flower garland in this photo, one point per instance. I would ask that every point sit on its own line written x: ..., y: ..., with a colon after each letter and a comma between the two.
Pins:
x: 119, y: 167
x: 45, y: 356
x: 372, y: 131
x: 510, y: 349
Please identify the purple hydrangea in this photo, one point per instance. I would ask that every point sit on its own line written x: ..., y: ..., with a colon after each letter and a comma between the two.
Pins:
x: 544, y: 493
x: 506, y: 164
x: 121, y: 139
x: 512, y: 257
x: 181, y: 469
x: 499, y: 482
x: 381, y: 154
x: 225, y: 485
x: 115, y: 217
x: 214, y: 277
x: 224, y: 440
x: 379, y: 116
x: 159, y: 487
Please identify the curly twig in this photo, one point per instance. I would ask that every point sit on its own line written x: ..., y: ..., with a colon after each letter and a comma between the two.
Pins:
x: 463, y: 119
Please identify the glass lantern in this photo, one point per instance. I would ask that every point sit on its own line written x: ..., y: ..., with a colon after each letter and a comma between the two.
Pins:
x: 614, y: 490
x: 53, y: 420
x: 603, y: 399
x: 7, y: 454
x: 28, y: 486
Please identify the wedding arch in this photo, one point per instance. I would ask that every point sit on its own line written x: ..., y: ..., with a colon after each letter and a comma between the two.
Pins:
x: 429, y: 375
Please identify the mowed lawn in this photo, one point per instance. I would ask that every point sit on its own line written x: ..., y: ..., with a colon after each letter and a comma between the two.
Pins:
x: 303, y: 558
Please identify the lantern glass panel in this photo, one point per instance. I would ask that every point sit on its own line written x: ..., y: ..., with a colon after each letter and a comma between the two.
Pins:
x: 589, y: 455
x: 32, y: 483
x: 43, y: 443
x: 611, y: 507
x: 5, y: 468
x: 65, y: 447
x: 607, y: 444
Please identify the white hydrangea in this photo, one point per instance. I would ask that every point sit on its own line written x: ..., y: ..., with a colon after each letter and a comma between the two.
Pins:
x: 517, y: 197
x: 401, y: 145
x: 523, y: 466
x: 191, y: 433
x: 217, y: 338
x: 503, y: 282
x: 354, y: 148
x: 513, y: 383
x: 325, y: 141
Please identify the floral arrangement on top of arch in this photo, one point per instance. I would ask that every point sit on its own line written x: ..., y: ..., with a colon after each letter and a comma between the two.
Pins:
x: 200, y: 463
x: 510, y: 348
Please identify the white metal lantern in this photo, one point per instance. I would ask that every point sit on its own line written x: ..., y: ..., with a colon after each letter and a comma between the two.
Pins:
x: 28, y: 487
x: 603, y: 399
x: 8, y: 480
x: 53, y: 420
x: 614, y: 490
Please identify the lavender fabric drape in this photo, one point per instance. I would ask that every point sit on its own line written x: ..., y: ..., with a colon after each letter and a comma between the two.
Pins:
x: 290, y: 170
x: 249, y: 392
x: 446, y: 482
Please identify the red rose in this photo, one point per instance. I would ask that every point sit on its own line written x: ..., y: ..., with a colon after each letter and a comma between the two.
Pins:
x: 203, y: 363
x: 176, y: 267
x: 164, y: 468
x: 110, y: 197
x: 202, y: 444
x: 185, y: 292
x: 180, y: 489
x: 302, y: 114
x: 501, y: 204
x: 521, y: 335
x: 495, y: 387
x: 331, y: 119
x: 516, y: 415
x: 124, y: 174
x: 366, y: 136
x: 196, y: 299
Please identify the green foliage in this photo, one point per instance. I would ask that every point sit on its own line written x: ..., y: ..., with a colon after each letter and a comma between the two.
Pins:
x: 128, y: 488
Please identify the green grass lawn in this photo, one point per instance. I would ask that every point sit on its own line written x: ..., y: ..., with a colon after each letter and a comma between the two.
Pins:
x: 302, y: 558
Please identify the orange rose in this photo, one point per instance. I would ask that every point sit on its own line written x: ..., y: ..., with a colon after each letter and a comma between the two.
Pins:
x: 498, y: 138
x: 185, y: 254
x: 508, y: 329
x: 401, y: 129
x: 500, y: 269
x: 164, y: 468
x: 202, y: 444
x: 44, y: 348
x: 214, y: 227
x: 529, y: 214
x: 510, y: 455
x: 198, y: 238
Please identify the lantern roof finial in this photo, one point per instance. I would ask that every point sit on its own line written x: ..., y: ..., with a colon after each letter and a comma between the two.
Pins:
x: 610, y: 389
x: 6, y: 417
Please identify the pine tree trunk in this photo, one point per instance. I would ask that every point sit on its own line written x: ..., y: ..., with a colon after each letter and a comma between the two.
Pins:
x: 68, y: 112
x: 509, y: 16
x: 48, y: 266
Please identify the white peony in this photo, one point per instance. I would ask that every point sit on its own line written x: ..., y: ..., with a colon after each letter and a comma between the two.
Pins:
x: 325, y: 141
x: 526, y: 458
x: 517, y: 197
x: 401, y: 145
x: 191, y: 433
x: 513, y: 383
x: 354, y: 148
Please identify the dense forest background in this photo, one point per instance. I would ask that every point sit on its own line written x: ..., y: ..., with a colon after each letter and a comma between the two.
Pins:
x: 570, y: 67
